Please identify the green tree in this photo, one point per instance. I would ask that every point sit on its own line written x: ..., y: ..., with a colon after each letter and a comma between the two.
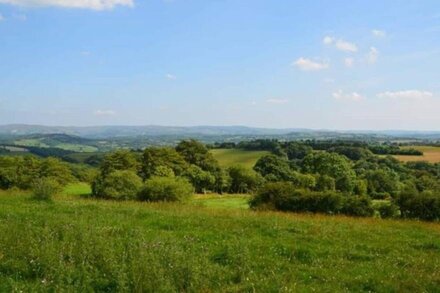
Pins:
x: 243, y: 180
x: 274, y: 168
x: 122, y: 160
x: 201, y: 180
x: 166, y: 189
x: 333, y: 165
x: 196, y: 153
x: 117, y: 185
x: 155, y: 157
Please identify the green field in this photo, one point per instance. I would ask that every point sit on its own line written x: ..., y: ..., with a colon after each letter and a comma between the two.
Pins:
x: 229, y: 157
x: 207, y: 245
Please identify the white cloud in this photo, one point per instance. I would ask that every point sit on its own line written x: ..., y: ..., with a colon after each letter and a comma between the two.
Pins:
x: 407, y: 94
x: 379, y: 33
x: 354, y: 96
x: 170, y: 76
x: 277, y: 101
x: 105, y: 113
x: 310, y: 65
x: 372, y: 55
x: 346, y: 46
x: 87, y: 4
x: 327, y: 40
x: 1, y: 17
x: 349, y: 62
x: 86, y: 53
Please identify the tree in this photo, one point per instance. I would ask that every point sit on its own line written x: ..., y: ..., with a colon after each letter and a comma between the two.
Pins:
x: 200, y: 179
x: 166, y: 189
x: 45, y: 188
x: 333, y: 165
x: 243, y: 180
x: 381, y: 181
x: 274, y: 168
x: 196, y: 153
x: 120, y: 160
x: 154, y: 158
x: 297, y: 151
x: 117, y: 185
x: 56, y: 169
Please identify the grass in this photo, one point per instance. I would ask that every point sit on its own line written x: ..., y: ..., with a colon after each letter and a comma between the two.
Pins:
x: 229, y: 201
x: 76, y: 244
x: 229, y: 157
x: 430, y: 154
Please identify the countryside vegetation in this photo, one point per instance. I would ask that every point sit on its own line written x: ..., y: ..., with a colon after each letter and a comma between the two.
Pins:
x: 265, y: 215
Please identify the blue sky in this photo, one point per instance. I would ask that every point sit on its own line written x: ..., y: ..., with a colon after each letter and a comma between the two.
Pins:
x: 313, y: 64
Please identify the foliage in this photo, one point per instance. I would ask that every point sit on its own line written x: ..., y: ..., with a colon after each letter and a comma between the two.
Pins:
x: 333, y: 165
x: 243, y: 180
x: 274, y: 168
x: 117, y: 185
x: 45, y: 188
x: 166, y: 189
x: 200, y: 179
x: 155, y: 157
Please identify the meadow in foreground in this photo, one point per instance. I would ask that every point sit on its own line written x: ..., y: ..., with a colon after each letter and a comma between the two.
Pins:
x: 81, y: 244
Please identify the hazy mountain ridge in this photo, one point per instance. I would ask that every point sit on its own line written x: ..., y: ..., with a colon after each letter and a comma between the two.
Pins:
x: 97, y: 132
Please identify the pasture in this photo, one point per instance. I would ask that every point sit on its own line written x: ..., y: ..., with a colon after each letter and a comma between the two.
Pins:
x: 230, y: 157
x: 430, y: 154
x: 79, y: 244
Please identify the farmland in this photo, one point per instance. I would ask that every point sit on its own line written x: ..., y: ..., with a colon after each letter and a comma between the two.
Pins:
x: 430, y: 154
x: 229, y: 157
x: 79, y: 244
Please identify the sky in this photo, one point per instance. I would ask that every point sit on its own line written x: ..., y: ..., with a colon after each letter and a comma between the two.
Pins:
x: 348, y: 65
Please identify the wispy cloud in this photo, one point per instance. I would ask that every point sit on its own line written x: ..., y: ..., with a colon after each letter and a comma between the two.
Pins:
x: 85, y: 4
x: 372, y: 56
x: 379, y: 33
x: 340, y: 44
x: 328, y: 40
x: 1, y: 17
x: 104, y: 113
x: 349, y: 62
x: 310, y: 65
x: 277, y: 101
x: 346, y: 46
x: 354, y: 96
x: 170, y: 76
x: 407, y: 94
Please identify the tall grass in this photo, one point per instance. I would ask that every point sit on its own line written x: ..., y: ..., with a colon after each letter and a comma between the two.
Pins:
x: 84, y: 245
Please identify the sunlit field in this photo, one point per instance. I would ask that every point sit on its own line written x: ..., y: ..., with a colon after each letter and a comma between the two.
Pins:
x: 229, y: 157
x: 430, y: 154
x: 208, y: 244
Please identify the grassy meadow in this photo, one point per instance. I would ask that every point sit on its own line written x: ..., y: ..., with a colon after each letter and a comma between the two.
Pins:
x: 229, y: 157
x: 430, y: 154
x: 210, y: 244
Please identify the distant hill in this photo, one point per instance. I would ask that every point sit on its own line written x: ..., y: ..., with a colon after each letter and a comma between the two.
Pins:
x: 200, y: 132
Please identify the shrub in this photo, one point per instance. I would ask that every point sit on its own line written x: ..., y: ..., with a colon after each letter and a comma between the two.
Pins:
x: 45, y: 188
x: 284, y: 197
x: 117, y: 185
x: 388, y: 210
x: 166, y: 189
x: 359, y: 206
x: 424, y: 206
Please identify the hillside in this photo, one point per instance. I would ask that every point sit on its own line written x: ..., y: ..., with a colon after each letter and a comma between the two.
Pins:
x: 78, y: 244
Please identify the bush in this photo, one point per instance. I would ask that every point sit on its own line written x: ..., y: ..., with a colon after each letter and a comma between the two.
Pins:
x: 45, y: 188
x: 117, y: 185
x: 424, y: 206
x: 166, y: 189
x: 359, y: 206
x: 388, y: 210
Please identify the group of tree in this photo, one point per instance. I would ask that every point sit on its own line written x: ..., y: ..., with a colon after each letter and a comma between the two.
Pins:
x: 126, y: 174
x: 26, y: 172
x: 342, y: 177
